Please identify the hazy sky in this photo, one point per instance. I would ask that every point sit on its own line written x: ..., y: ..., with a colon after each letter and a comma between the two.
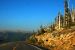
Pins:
x: 29, y: 14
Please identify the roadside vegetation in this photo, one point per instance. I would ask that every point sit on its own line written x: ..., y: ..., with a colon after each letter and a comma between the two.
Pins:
x: 56, y: 40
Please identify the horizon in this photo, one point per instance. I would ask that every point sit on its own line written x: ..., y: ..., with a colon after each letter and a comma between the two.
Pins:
x: 29, y: 15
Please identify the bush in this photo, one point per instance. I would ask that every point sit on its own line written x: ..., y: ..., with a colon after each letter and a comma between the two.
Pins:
x: 32, y: 39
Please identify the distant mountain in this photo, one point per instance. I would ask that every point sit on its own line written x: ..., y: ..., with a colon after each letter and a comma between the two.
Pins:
x: 13, y: 36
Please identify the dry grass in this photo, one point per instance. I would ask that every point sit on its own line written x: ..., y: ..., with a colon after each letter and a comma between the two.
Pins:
x: 65, y: 41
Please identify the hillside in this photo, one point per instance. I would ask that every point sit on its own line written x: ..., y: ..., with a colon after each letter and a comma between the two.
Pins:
x: 13, y: 36
x: 57, y: 40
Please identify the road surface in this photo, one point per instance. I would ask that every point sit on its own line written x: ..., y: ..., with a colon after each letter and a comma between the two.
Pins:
x: 18, y: 46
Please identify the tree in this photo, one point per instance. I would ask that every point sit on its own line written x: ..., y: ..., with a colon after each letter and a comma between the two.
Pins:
x: 42, y: 30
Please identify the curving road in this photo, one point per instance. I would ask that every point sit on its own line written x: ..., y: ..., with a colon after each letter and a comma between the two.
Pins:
x: 18, y: 46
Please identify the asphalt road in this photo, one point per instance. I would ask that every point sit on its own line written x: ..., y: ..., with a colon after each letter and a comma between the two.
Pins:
x: 18, y: 46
